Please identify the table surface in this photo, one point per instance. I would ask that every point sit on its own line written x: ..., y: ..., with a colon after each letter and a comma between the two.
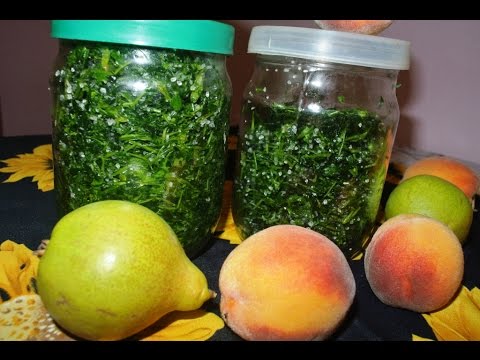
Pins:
x: 27, y: 215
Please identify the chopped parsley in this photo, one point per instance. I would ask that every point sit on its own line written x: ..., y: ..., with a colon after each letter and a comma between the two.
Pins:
x: 145, y: 125
x: 324, y: 171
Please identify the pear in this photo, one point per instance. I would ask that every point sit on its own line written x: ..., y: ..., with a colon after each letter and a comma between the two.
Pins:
x: 112, y: 268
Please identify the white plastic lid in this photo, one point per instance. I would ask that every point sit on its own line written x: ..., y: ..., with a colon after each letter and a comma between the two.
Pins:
x: 331, y: 46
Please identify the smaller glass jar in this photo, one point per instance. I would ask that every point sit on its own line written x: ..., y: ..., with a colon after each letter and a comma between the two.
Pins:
x: 141, y: 113
x: 318, y: 123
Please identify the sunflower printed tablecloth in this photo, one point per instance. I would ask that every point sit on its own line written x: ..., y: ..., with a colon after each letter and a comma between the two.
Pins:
x: 28, y: 214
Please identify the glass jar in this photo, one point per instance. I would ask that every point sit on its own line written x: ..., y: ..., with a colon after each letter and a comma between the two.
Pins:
x: 318, y: 122
x: 141, y: 113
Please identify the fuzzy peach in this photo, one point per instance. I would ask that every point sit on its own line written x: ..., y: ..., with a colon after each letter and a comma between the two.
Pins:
x: 414, y: 262
x: 285, y: 282
x: 369, y: 27
x: 448, y: 169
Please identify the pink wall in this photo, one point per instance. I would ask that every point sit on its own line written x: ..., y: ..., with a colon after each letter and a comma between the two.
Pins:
x: 439, y: 101
x: 27, y: 54
x: 437, y: 98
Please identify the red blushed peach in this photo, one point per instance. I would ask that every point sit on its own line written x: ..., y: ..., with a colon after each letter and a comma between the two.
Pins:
x: 448, y: 169
x: 369, y: 27
x: 285, y: 282
x: 414, y: 262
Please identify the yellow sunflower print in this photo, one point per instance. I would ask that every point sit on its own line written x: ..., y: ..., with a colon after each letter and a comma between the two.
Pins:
x: 459, y: 321
x: 38, y: 164
x: 226, y: 229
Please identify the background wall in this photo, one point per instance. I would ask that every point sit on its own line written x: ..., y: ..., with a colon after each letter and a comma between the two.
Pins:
x: 27, y: 55
x: 438, y: 97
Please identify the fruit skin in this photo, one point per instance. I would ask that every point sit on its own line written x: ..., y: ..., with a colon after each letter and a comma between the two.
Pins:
x: 448, y: 169
x: 369, y: 27
x: 285, y: 282
x: 434, y: 197
x: 112, y: 268
x: 414, y: 262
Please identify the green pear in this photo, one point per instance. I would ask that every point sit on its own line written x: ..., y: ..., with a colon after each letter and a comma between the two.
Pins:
x: 112, y: 268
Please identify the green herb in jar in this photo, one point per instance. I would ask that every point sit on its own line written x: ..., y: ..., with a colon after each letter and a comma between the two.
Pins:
x: 321, y: 170
x: 145, y: 125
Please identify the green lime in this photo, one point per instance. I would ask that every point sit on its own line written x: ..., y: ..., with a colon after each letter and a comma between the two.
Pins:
x: 434, y: 197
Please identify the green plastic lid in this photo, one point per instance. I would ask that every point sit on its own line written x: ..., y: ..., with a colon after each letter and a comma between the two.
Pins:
x: 199, y: 35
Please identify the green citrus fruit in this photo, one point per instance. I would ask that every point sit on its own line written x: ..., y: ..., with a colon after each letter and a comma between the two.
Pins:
x: 434, y: 197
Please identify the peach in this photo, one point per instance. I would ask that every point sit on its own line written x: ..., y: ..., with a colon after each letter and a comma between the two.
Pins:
x: 448, y: 169
x: 414, y: 262
x: 285, y: 282
x: 369, y: 27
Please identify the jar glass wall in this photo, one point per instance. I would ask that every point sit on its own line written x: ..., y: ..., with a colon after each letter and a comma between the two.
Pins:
x: 314, y: 146
x: 143, y: 124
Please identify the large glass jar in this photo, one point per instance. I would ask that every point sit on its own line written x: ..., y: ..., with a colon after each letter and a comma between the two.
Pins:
x: 141, y: 113
x: 318, y: 122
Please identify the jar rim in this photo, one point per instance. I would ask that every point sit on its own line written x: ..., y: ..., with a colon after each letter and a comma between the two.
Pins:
x: 198, y: 35
x: 331, y: 46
